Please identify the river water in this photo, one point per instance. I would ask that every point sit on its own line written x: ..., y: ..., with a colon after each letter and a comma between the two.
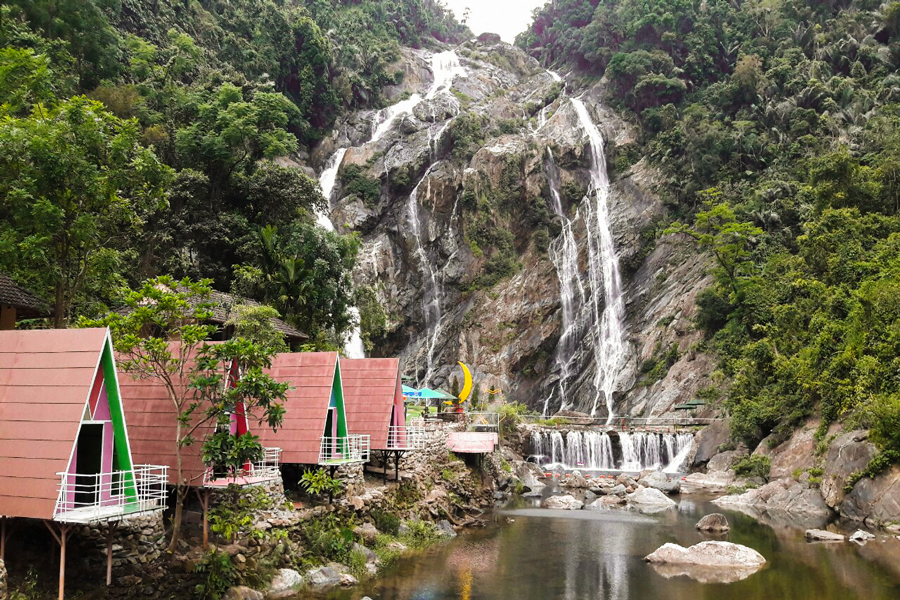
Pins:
x: 531, y: 553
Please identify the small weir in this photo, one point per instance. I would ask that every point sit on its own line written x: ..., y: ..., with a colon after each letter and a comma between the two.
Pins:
x: 611, y: 451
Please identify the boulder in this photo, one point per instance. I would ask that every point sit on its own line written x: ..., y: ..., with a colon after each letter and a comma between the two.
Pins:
x: 605, y: 502
x: 876, y: 500
x: 847, y: 454
x: 577, y: 480
x: 285, y: 584
x: 650, y: 498
x: 659, y: 481
x: 713, y: 523
x: 707, y: 483
x: 617, y: 490
x: 323, y: 577
x: 822, y: 535
x: 861, y: 537
x: 242, y: 592
x: 348, y: 580
x: 708, y: 440
x: 708, y: 554
x: 366, y: 532
x: 783, y: 495
x: 371, y: 557
x: 566, y: 502
x: 721, y: 462
x: 445, y: 529
x: 795, y: 454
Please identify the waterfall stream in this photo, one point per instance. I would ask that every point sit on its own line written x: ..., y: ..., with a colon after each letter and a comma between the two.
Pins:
x: 445, y: 66
x: 603, y: 270
x: 596, y: 450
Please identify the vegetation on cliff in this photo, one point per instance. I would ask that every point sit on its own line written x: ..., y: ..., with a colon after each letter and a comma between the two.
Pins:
x: 140, y: 139
x: 775, y: 125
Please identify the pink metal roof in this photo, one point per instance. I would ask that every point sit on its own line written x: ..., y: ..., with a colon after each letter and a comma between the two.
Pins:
x: 371, y: 388
x: 310, y: 375
x: 45, y: 379
x: 151, y: 417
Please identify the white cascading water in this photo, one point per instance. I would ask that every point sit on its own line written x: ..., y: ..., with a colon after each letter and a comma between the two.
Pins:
x: 444, y: 66
x: 593, y: 450
x: 603, y: 269
x: 431, y: 295
x: 564, y: 256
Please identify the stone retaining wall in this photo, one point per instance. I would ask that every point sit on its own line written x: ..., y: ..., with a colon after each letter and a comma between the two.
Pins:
x: 137, y: 540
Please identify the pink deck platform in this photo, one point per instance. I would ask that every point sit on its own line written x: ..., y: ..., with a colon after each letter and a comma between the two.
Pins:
x: 472, y: 442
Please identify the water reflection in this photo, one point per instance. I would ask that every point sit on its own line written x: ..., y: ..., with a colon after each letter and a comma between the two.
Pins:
x: 574, y: 555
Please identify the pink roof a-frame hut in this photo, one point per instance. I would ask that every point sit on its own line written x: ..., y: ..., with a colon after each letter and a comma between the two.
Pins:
x: 64, y: 447
x: 373, y: 396
x: 315, y: 430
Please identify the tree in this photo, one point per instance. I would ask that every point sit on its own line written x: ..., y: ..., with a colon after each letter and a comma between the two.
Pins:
x: 73, y: 181
x: 255, y: 323
x: 718, y: 231
x: 161, y: 337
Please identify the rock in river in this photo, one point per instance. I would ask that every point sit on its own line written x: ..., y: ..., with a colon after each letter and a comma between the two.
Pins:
x: 821, y: 535
x: 708, y: 554
x: 649, y: 498
x: 566, y: 502
x: 713, y: 523
x: 285, y: 584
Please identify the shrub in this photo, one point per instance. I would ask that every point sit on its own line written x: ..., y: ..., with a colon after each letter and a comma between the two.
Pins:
x: 356, y: 183
x: 421, y: 534
x: 220, y: 575
x: 753, y: 466
x: 386, y: 522
x: 320, y: 483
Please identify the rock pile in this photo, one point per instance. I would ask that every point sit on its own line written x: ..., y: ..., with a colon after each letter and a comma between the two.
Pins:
x: 3, y: 595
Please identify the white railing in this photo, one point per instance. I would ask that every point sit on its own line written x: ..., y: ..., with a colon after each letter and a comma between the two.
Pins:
x: 483, y: 421
x: 353, y: 448
x: 267, y: 468
x: 111, y: 496
x: 405, y: 438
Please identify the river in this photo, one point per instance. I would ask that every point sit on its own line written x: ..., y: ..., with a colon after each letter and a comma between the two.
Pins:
x: 531, y: 553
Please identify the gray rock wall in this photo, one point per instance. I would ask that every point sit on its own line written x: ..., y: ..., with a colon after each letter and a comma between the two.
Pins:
x: 136, y: 540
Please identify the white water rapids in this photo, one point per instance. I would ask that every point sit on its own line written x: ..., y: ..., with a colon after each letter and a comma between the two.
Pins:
x: 595, y: 450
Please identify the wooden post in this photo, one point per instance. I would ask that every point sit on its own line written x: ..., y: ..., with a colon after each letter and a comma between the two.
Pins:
x: 61, y: 540
x: 331, y: 470
x: 203, y: 495
x: 397, y: 466
x: 2, y: 537
x: 110, y: 530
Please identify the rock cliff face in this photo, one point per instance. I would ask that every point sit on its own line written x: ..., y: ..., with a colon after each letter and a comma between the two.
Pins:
x: 472, y: 198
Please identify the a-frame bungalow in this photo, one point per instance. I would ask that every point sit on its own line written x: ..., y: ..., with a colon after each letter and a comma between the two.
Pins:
x: 64, y: 447
x: 153, y: 419
x: 315, y: 429
x: 373, y: 396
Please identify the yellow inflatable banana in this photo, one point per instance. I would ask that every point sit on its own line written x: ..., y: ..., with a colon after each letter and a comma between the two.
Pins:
x: 467, y: 384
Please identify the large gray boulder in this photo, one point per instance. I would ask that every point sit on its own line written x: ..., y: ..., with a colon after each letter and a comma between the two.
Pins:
x: 861, y: 537
x: 713, y: 523
x: 566, y: 502
x: 605, y: 503
x: 366, y: 532
x: 795, y: 454
x: 875, y: 501
x: 649, y: 498
x: 445, y: 529
x: 708, y: 554
x: 780, y: 495
x: 708, y: 441
x: 659, y: 481
x: 323, y: 577
x: 721, y: 462
x: 847, y: 454
x: 285, y: 584
x: 707, y: 483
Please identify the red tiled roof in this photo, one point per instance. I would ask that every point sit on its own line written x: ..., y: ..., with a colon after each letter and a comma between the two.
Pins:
x: 151, y: 417
x: 310, y: 375
x: 45, y: 379
x: 371, y: 388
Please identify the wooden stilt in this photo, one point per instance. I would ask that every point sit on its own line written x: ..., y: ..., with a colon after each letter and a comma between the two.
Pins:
x: 2, y: 537
x: 331, y: 471
x: 61, y: 540
x: 397, y: 466
x: 110, y: 530
x: 203, y: 495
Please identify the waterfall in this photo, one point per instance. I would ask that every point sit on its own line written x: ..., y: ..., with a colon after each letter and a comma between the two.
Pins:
x: 564, y: 256
x: 445, y: 67
x: 593, y: 450
x: 432, y: 292
x: 603, y: 266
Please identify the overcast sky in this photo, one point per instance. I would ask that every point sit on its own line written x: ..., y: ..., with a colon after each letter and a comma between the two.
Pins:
x: 506, y: 17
